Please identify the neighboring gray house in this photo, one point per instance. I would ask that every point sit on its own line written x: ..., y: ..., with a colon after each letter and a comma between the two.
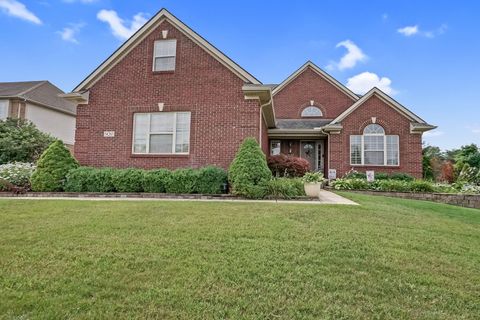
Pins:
x: 38, y: 101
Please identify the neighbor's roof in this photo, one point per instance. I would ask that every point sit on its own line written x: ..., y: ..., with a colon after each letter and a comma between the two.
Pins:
x: 38, y: 92
x: 301, y: 123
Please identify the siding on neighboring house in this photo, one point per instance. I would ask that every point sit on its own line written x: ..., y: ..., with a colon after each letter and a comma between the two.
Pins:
x: 59, y: 125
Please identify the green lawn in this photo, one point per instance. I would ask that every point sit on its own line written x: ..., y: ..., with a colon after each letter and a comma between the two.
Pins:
x: 385, y: 259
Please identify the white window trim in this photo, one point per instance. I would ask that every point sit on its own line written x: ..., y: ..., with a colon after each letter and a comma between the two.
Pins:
x: 309, y: 116
x: 280, y: 147
x: 174, y: 134
x: 7, y: 108
x: 155, y: 56
x: 385, y: 160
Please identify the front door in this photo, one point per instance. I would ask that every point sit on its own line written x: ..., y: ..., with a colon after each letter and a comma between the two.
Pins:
x: 308, y: 152
x: 313, y: 152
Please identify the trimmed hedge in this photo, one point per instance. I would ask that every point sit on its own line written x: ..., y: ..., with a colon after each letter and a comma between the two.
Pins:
x: 85, y: 179
x: 182, y: 181
x: 155, y: 180
x: 128, y: 180
x: 52, y: 168
x: 211, y: 180
x: 208, y: 180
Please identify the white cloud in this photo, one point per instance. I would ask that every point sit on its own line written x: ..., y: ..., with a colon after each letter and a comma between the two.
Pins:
x: 120, y: 28
x: 434, y: 133
x: 363, y: 82
x: 385, y: 17
x: 408, y: 31
x: 17, y: 9
x: 69, y: 33
x: 351, y: 58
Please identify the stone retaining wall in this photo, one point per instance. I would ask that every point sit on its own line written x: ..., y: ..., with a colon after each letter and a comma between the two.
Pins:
x: 463, y: 200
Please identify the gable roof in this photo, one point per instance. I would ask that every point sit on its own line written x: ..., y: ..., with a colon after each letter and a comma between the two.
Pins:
x: 387, y: 99
x: 322, y: 74
x: 38, y: 92
x: 144, y: 31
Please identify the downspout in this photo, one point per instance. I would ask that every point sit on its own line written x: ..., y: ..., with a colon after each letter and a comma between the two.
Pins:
x: 20, y: 106
x: 260, y: 121
x: 328, y: 153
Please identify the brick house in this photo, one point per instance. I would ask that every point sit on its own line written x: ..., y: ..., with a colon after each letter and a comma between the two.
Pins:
x: 168, y: 98
x: 39, y: 102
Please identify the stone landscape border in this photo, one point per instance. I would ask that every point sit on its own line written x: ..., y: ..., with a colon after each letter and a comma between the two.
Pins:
x: 325, y: 197
x: 462, y: 200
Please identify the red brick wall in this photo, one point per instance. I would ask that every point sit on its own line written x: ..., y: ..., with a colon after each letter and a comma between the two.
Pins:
x: 220, y: 116
x: 309, y: 85
x: 393, y: 123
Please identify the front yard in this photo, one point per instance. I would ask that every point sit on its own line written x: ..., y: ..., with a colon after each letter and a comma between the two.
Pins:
x: 385, y: 259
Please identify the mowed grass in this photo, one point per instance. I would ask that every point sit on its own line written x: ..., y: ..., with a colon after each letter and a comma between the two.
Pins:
x: 385, y: 259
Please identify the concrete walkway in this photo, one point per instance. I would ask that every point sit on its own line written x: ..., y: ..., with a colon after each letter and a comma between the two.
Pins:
x: 325, y: 197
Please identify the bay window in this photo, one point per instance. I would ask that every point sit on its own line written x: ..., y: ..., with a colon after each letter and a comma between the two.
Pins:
x: 161, y: 133
x: 374, y: 148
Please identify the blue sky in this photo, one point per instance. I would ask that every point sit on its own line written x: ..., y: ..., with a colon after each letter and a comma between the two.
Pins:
x: 425, y: 53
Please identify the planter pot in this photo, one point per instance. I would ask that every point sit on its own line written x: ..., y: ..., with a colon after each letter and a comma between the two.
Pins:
x: 312, y: 189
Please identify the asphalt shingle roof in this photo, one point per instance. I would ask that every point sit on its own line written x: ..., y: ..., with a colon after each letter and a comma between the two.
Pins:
x: 42, y: 92
x: 301, y: 123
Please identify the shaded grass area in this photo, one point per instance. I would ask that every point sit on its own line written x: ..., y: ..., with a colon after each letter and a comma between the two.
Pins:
x: 385, y: 259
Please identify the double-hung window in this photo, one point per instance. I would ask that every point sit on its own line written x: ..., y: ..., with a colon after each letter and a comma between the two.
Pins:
x: 161, y: 133
x: 374, y: 148
x: 3, y: 109
x: 164, y: 53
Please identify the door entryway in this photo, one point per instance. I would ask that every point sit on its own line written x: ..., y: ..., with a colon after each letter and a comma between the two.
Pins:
x: 313, y: 152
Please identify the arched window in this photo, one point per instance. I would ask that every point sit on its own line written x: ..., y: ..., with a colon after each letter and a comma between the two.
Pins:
x: 312, y: 111
x: 374, y: 148
x: 373, y: 129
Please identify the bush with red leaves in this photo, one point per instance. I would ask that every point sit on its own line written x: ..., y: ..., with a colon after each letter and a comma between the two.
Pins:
x: 448, y: 172
x: 287, y: 166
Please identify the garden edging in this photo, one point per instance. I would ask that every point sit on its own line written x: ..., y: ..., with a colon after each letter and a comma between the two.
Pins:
x: 462, y: 200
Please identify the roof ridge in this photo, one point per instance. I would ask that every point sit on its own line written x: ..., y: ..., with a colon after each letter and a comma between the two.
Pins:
x: 39, y: 84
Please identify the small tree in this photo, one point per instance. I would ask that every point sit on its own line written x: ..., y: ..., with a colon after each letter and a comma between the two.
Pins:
x: 52, y: 168
x: 249, y: 173
x: 21, y: 141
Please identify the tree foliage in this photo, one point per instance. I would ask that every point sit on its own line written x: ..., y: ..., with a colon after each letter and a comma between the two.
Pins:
x: 21, y: 141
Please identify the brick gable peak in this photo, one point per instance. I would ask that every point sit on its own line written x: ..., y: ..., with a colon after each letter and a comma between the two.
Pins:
x: 143, y: 32
x: 310, y: 65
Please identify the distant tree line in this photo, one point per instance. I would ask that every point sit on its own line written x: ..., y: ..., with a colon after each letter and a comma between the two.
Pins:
x: 461, y: 164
